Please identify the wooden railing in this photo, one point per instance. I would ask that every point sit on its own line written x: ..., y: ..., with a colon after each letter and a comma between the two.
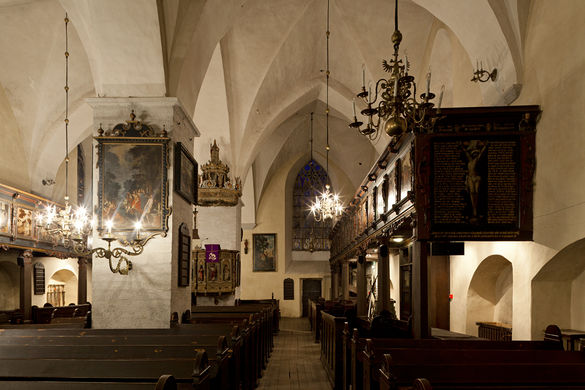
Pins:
x: 494, y: 331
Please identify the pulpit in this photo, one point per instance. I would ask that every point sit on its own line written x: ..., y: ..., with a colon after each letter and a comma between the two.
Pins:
x: 216, y: 273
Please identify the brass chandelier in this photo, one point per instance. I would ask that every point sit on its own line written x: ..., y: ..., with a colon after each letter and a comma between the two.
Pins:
x: 394, y: 100
x: 68, y: 226
x: 328, y: 204
x: 72, y: 227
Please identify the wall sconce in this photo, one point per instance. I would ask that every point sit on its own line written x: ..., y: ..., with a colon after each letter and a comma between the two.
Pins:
x: 246, y: 246
x: 483, y: 75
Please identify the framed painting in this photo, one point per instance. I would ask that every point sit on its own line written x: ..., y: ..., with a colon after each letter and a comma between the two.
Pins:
x: 24, y: 222
x: 133, y: 165
x: 5, y: 219
x: 264, y: 257
x: 185, y: 176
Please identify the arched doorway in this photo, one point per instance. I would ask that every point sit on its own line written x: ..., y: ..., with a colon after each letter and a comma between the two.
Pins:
x: 489, y: 297
x: 65, y: 283
x: 558, y: 291
x: 9, y: 286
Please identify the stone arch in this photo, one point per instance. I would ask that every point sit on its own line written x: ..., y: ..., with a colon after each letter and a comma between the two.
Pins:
x: 67, y: 278
x: 9, y: 286
x: 558, y: 291
x: 489, y: 297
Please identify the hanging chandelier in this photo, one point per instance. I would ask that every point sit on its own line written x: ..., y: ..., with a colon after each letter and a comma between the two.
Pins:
x: 393, y: 100
x: 328, y: 204
x: 68, y: 226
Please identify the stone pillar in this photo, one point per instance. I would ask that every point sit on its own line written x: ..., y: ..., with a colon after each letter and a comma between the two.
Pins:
x: 334, y: 281
x: 25, y: 263
x: 362, y: 294
x: 81, y: 280
x: 383, y: 279
x: 150, y: 293
x: 345, y: 279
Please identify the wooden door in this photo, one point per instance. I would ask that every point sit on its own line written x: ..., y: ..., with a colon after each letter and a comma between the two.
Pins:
x: 311, y: 289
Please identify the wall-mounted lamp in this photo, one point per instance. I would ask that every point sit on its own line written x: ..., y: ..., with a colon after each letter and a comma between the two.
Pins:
x: 246, y: 246
x: 483, y: 75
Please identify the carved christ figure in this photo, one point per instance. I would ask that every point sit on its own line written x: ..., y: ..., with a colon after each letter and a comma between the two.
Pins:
x: 473, y: 152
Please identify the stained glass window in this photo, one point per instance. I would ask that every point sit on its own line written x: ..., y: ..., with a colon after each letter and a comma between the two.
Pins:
x: 308, y: 234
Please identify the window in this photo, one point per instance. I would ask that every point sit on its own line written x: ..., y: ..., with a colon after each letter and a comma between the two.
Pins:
x: 309, y: 235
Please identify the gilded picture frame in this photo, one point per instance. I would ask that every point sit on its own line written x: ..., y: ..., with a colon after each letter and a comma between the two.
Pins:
x: 133, y: 183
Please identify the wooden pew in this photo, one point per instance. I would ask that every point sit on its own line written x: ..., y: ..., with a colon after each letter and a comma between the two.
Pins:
x: 355, y: 367
x: 230, y: 332
x: 73, y: 314
x: 332, y: 347
x: 274, y: 303
x: 483, y: 369
x: 251, y: 350
x: 165, y: 382
x: 122, y: 346
x: 440, y: 359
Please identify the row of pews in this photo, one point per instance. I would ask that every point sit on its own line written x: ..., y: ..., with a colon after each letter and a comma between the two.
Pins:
x: 210, y: 348
x: 362, y: 355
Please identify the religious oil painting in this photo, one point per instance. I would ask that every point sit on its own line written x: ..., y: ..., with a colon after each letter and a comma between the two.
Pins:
x: 5, y: 214
x: 185, y: 174
x: 133, y: 180
x: 264, y: 252
x: 24, y: 222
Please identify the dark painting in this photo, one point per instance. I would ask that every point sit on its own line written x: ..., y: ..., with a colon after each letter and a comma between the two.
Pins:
x: 132, y: 185
x: 264, y: 252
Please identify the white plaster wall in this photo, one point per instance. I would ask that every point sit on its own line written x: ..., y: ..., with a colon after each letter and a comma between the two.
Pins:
x: 526, y: 257
x: 504, y: 294
x: 395, y: 280
x: 578, y: 302
x: 220, y: 225
x: 53, y: 265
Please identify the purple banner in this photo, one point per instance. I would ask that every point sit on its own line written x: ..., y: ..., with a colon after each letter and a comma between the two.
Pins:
x: 212, y: 253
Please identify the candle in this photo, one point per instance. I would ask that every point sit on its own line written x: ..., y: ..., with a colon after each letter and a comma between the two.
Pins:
x: 354, y: 114
x: 109, y: 225
x: 369, y: 91
x: 364, y: 76
x: 428, y: 83
x: 395, y: 86
x: 441, y: 95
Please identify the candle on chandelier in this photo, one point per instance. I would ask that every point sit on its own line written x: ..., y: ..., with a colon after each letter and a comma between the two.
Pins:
x: 354, y: 114
x: 428, y: 83
x: 109, y: 225
x: 364, y: 76
x: 441, y: 95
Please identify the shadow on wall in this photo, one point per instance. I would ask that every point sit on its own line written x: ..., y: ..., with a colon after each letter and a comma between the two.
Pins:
x: 558, y: 291
x: 68, y: 279
x: 9, y: 286
x: 489, y: 298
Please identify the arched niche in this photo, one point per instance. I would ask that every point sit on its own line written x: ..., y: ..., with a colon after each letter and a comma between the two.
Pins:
x: 9, y: 286
x: 489, y: 297
x: 558, y: 291
x: 68, y: 279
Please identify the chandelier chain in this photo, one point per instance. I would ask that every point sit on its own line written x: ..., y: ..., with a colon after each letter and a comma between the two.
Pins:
x: 66, y: 108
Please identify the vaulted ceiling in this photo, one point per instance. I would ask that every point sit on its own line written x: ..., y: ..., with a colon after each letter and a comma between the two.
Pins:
x: 248, y: 71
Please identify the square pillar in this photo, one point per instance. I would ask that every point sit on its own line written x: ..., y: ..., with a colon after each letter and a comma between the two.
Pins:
x: 146, y: 297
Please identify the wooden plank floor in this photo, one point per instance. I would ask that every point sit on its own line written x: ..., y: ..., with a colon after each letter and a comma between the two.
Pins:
x: 295, y: 361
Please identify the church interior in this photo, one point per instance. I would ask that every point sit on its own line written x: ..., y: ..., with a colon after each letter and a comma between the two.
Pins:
x: 411, y: 169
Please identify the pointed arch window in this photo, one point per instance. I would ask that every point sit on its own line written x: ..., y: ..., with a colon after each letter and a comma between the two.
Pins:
x: 308, y: 234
